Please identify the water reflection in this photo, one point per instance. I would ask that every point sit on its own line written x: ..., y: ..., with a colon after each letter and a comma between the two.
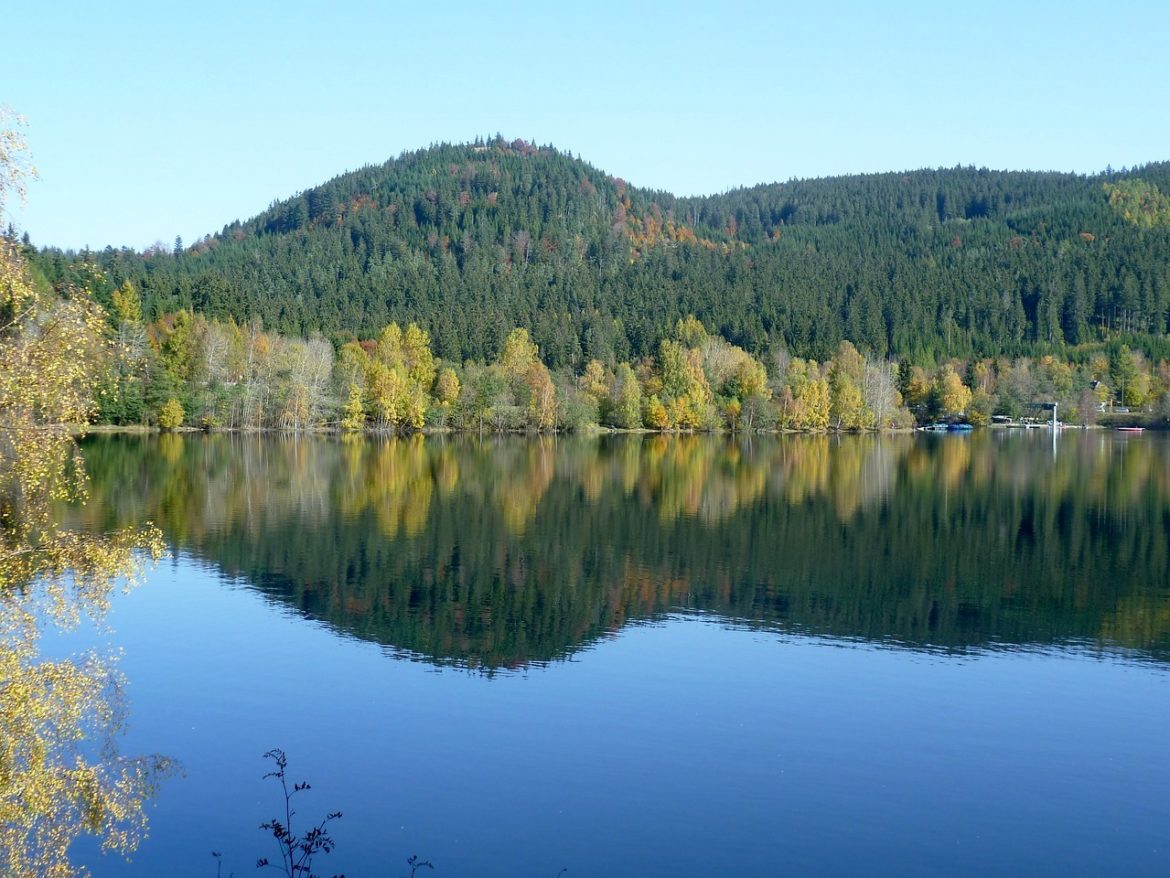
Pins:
x: 61, y: 773
x: 500, y: 552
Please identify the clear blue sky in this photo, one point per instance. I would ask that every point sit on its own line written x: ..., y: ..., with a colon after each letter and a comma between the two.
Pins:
x: 148, y: 121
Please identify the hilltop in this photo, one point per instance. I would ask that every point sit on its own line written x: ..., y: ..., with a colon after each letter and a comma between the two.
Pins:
x: 471, y: 240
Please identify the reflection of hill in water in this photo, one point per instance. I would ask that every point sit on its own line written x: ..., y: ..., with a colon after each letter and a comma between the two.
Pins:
x: 502, y: 552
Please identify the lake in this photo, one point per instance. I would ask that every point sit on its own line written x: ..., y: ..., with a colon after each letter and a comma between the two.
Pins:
x: 652, y: 656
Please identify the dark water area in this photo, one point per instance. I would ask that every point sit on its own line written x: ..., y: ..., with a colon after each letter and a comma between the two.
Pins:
x: 898, y: 655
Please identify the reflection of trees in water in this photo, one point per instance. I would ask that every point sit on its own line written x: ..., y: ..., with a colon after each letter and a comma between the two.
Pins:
x: 390, y: 476
x: 61, y: 774
x: 519, y: 474
x: 508, y: 550
x: 1138, y: 619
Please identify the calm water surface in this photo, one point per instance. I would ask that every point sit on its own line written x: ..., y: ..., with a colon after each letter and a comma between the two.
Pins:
x: 652, y: 656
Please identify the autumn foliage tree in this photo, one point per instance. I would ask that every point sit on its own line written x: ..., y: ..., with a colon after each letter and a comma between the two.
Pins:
x: 61, y: 775
x: 952, y: 396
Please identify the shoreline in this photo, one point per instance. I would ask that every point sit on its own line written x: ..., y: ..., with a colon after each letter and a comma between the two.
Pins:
x: 147, y: 430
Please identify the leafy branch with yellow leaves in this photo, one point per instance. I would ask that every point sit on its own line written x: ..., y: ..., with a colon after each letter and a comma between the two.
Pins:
x: 55, y: 715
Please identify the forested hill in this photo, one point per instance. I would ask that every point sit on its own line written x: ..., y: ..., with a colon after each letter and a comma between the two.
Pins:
x: 472, y: 240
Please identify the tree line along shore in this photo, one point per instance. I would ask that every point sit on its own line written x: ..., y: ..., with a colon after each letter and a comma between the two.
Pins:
x: 184, y: 370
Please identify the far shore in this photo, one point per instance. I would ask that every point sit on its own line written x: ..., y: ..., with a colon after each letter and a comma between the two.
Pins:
x: 373, y: 432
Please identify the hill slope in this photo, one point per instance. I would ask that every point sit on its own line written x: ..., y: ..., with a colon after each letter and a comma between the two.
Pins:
x: 471, y: 240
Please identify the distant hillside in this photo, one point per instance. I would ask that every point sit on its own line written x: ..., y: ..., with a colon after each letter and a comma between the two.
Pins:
x: 472, y: 240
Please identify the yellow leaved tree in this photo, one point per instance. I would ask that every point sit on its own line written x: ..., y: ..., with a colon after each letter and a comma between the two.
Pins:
x: 55, y: 714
